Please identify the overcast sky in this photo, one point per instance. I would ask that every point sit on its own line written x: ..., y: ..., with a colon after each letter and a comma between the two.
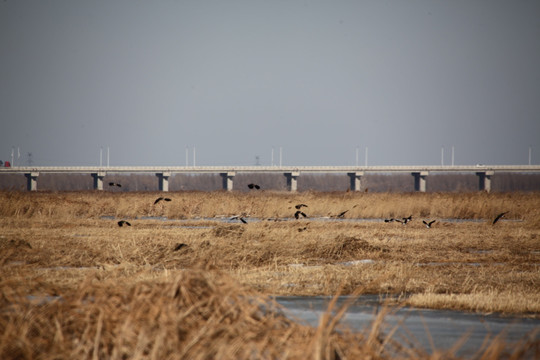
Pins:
x: 236, y: 79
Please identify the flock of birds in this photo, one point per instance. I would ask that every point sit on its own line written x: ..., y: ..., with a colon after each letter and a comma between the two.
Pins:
x: 298, y: 213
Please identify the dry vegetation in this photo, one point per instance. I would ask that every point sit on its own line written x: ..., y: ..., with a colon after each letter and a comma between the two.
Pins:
x: 74, y: 284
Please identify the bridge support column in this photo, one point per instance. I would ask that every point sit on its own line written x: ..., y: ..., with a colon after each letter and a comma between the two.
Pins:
x: 420, y: 180
x: 484, y: 180
x: 291, y: 180
x: 31, y: 181
x: 98, y: 180
x: 355, y: 180
x: 228, y: 178
x: 163, y: 181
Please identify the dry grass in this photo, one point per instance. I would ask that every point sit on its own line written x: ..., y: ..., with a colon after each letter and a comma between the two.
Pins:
x: 118, y: 287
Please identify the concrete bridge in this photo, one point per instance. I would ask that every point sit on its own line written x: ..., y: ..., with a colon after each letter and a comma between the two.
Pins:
x: 355, y: 173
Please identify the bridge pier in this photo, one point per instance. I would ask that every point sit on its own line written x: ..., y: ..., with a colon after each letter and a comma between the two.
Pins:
x: 292, y: 180
x: 31, y: 181
x: 484, y: 180
x: 163, y: 181
x: 98, y: 180
x: 228, y: 178
x: 420, y: 180
x: 355, y: 180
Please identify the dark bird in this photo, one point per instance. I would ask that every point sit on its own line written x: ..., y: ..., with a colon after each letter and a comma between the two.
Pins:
x: 115, y: 184
x: 299, y: 206
x: 238, y: 217
x: 254, y: 186
x: 298, y: 213
x: 122, y: 222
x: 404, y: 221
x: 161, y: 198
x: 498, y: 217
x: 428, y: 224
x: 179, y: 246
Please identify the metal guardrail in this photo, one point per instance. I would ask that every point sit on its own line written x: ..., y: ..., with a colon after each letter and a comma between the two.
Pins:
x: 267, y: 169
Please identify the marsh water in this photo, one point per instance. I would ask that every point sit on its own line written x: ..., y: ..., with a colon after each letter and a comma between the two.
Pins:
x: 421, y: 328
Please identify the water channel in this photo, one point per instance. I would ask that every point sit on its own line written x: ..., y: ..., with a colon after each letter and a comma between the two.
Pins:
x: 420, y: 327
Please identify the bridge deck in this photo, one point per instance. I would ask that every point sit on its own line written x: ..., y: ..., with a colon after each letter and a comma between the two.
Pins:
x: 265, y: 169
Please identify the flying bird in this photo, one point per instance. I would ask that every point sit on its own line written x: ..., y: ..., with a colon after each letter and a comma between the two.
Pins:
x: 238, y: 217
x: 404, y: 220
x: 428, y: 224
x: 298, y: 213
x: 122, y: 222
x: 254, y: 186
x: 498, y: 217
x: 115, y: 184
x: 161, y: 198
x: 179, y: 246
x: 299, y: 206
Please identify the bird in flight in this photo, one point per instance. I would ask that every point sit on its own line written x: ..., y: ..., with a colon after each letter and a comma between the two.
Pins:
x: 299, y: 206
x: 239, y: 217
x: 161, y: 198
x: 254, y: 186
x: 298, y: 213
x: 498, y: 217
x: 179, y: 246
x: 122, y: 222
x: 404, y: 220
x: 428, y: 224
x: 115, y: 184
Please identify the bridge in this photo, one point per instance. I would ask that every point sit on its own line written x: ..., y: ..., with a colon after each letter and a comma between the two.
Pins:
x: 355, y: 173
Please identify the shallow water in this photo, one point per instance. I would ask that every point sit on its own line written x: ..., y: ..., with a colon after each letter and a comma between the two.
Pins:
x: 227, y: 219
x: 445, y: 328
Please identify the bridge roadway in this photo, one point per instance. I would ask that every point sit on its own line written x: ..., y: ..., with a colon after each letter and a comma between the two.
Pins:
x: 420, y: 173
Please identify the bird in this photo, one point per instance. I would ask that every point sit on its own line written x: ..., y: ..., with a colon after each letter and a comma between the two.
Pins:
x: 428, y: 224
x: 179, y: 246
x: 404, y: 220
x: 341, y: 214
x: 298, y: 213
x: 254, y: 186
x: 161, y: 198
x: 122, y: 222
x: 498, y: 217
x: 299, y: 206
x: 115, y: 184
x: 238, y: 217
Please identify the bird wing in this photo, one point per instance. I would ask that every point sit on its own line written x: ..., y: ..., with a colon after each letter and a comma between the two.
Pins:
x: 157, y: 200
x: 499, y: 216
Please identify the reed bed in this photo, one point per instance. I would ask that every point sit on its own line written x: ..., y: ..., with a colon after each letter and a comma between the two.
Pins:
x: 129, y: 292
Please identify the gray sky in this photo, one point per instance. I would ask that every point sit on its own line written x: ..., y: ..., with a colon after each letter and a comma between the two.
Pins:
x: 235, y: 79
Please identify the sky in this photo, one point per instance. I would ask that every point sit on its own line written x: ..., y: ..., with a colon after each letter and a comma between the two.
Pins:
x: 233, y: 82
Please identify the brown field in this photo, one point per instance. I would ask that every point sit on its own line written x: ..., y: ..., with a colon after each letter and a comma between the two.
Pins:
x: 76, y: 285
